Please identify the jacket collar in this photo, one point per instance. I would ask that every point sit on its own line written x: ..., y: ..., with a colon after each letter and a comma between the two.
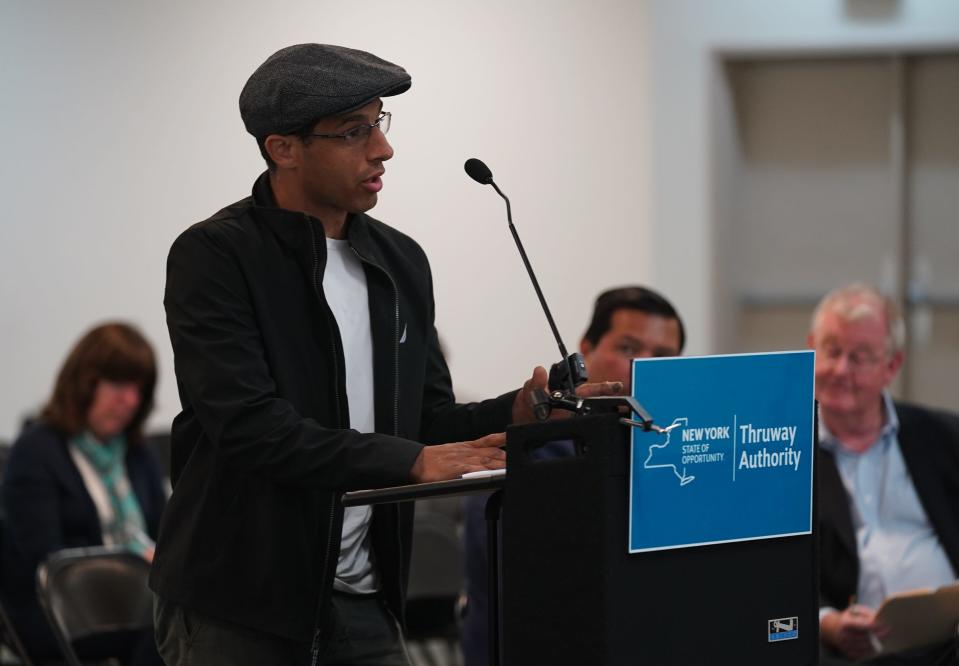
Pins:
x: 289, y: 225
x: 888, y: 432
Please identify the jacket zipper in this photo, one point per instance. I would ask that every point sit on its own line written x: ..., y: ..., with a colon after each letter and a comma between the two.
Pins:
x: 396, y: 340
x: 317, y: 289
x: 396, y: 381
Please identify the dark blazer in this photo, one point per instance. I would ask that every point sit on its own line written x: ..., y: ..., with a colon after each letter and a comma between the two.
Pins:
x: 47, y: 508
x: 929, y: 441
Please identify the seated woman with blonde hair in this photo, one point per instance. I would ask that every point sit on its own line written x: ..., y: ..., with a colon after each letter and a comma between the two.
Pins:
x: 80, y: 476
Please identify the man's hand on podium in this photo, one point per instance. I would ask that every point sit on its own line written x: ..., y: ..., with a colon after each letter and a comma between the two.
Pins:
x: 451, y: 461
x: 523, y: 405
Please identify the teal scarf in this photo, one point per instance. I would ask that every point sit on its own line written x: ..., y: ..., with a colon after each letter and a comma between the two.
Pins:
x: 128, y: 527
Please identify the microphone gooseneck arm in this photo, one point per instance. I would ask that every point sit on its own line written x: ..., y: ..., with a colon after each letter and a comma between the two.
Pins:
x: 532, y: 276
x: 575, y: 367
x: 479, y: 172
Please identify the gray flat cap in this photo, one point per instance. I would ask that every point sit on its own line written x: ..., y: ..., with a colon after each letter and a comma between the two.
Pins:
x: 305, y: 82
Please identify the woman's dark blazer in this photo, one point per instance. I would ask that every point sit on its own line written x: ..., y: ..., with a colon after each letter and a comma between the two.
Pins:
x: 46, y: 507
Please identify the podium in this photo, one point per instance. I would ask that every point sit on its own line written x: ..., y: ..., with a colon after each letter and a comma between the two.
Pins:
x: 572, y: 594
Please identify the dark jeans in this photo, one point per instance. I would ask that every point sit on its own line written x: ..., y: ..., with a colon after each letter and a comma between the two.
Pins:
x: 362, y: 631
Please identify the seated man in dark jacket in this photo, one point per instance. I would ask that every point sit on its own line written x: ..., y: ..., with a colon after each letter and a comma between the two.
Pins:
x: 627, y: 323
x: 308, y: 365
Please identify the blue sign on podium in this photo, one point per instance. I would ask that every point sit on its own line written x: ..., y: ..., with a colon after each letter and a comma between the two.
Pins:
x: 735, y: 462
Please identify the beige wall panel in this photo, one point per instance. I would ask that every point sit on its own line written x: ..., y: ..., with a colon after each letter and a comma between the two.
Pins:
x: 933, y: 122
x: 933, y: 177
x: 935, y: 365
x: 814, y: 208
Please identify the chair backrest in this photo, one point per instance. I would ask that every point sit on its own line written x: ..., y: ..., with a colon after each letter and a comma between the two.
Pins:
x: 436, y: 565
x: 91, y: 592
x: 8, y: 633
x: 160, y: 442
x: 436, y: 578
x: 10, y: 640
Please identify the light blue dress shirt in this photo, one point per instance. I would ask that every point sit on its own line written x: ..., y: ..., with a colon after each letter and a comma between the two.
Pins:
x: 898, y: 547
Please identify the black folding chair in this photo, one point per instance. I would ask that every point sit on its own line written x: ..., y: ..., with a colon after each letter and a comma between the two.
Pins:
x: 10, y: 641
x: 436, y: 582
x: 96, y: 600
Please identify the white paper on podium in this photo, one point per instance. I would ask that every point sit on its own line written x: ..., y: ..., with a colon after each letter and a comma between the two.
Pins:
x: 485, y: 473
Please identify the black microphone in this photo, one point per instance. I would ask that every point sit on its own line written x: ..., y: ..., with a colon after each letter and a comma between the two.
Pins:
x: 572, y: 370
x: 479, y: 172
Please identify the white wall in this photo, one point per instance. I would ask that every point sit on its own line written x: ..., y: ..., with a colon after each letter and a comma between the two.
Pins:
x: 121, y: 128
x: 688, y: 144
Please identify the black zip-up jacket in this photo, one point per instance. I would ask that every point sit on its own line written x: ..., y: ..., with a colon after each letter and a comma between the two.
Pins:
x: 261, y: 449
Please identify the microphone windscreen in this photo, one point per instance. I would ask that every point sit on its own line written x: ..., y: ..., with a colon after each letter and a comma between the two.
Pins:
x: 478, y: 171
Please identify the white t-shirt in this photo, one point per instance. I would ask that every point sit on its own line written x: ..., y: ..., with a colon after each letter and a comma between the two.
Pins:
x: 344, y: 284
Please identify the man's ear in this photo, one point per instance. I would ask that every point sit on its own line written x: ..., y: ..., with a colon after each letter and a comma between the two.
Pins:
x: 810, y: 341
x: 895, y: 362
x: 283, y: 149
x: 585, y: 347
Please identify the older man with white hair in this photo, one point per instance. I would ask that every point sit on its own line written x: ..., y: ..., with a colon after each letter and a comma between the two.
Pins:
x: 888, y: 478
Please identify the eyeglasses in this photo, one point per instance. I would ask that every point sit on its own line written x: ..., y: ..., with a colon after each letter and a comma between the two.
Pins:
x: 860, y: 358
x: 359, y: 134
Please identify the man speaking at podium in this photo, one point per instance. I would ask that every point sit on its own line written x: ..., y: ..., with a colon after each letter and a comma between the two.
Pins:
x: 307, y: 365
x: 888, y: 479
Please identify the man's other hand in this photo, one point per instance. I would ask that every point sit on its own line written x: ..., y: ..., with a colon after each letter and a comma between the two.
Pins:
x: 451, y: 461
x: 853, y: 632
x: 523, y: 405
x: 599, y: 389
